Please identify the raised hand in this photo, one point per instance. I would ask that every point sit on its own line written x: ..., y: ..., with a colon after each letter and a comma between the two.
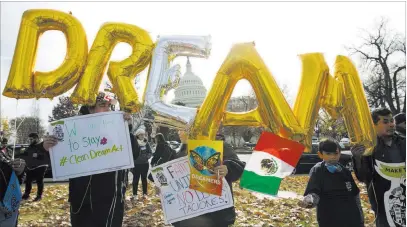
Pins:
x: 49, y: 142
x: 358, y: 150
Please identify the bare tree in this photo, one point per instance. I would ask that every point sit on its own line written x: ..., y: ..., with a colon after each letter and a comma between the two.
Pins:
x: 329, y: 127
x: 26, y: 125
x: 383, y: 55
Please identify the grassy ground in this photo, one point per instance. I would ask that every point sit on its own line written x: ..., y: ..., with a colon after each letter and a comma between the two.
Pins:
x: 53, y: 210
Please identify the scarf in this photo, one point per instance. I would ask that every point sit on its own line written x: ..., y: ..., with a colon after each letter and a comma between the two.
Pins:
x: 141, y: 143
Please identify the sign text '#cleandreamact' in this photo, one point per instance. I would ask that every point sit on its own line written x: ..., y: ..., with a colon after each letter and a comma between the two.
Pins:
x: 90, y: 144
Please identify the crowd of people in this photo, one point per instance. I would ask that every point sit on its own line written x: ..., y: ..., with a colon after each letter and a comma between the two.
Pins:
x: 98, y: 200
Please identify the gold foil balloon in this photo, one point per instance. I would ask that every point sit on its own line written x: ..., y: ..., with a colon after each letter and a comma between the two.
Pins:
x: 122, y: 73
x: 332, y: 100
x: 22, y: 82
x: 355, y: 112
x: 273, y: 111
x: 315, y: 73
x: 249, y: 118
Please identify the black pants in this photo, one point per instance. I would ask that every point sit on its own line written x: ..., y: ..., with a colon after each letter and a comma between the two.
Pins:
x: 36, y: 174
x: 140, y: 170
x: 99, y: 214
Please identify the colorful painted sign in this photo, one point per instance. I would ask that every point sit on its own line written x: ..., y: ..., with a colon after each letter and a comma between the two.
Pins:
x: 204, y: 156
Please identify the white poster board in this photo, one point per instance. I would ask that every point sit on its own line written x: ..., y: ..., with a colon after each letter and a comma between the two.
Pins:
x: 90, y: 144
x: 178, y: 201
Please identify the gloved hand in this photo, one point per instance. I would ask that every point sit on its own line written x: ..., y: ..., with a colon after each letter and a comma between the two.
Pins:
x: 309, y: 201
x: 18, y: 165
x: 358, y: 150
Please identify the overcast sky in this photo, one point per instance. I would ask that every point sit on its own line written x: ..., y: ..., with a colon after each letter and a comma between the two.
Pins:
x: 281, y: 32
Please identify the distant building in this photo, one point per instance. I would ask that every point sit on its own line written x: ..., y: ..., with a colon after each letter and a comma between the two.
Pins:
x: 191, y: 90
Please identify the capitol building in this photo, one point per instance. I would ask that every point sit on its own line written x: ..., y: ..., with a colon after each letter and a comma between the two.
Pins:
x: 190, y: 90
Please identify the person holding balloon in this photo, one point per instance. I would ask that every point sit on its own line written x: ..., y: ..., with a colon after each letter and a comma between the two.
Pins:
x: 384, y: 171
x: 96, y: 200
x: 232, y: 169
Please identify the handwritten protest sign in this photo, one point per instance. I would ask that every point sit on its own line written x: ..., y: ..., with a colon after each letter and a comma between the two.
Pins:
x: 90, y: 144
x: 178, y: 201
x: 204, y: 156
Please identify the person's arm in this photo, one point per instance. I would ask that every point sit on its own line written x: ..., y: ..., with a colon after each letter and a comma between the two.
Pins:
x: 18, y: 165
x: 313, y: 189
x: 134, y: 147
x: 232, y: 162
x: 361, y: 164
x: 156, y: 155
x: 149, y: 151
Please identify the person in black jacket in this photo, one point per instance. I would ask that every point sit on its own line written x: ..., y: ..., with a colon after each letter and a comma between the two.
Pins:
x: 332, y: 190
x: 141, y: 164
x: 37, y: 163
x: 163, y: 152
x: 96, y: 200
x: 232, y: 169
x: 383, y: 171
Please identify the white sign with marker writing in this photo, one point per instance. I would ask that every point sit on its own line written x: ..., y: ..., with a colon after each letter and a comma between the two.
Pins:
x: 178, y: 201
x: 90, y: 144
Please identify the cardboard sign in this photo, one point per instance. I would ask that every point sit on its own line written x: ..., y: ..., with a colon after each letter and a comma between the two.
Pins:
x: 204, y: 156
x: 90, y: 144
x: 178, y: 201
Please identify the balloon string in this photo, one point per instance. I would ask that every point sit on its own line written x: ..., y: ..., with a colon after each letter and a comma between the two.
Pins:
x: 16, y: 128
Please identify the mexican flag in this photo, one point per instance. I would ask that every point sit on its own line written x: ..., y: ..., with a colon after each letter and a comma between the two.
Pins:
x: 272, y: 159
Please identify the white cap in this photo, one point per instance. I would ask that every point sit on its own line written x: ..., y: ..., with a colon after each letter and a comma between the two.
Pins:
x: 139, y: 131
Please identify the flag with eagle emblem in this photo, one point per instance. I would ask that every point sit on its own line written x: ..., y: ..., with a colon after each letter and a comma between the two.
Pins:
x: 272, y: 159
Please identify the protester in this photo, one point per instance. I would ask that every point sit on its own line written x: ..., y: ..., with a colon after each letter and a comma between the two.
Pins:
x: 133, y: 142
x: 332, y: 190
x: 6, y: 152
x: 383, y: 171
x: 163, y: 152
x: 9, y: 218
x: 96, y: 200
x: 141, y: 164
x: 134, y: 151
x: 400, y: 121
x: 37, y: 163
x: 232, y: 169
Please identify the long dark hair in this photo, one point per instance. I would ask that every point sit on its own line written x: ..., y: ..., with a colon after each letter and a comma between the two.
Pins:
x: 84, y: 110
x: 160, y: 139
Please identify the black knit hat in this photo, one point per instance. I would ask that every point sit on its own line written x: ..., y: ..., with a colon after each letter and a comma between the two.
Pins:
x: 400, y: 118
